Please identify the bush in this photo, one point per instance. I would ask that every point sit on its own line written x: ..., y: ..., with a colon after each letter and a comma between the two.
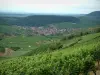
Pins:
x: 54, y: 46
x: 71, y: 36
x: 96, y: 54
x: 97, y: 29
x: 15, y: 48
x: 89, y: 65
x: 49, y: 64
x: 63, y: 38
x: 2, y: 49
x: 59, y: 45
x: 81, y: 33
x: 86, y: 33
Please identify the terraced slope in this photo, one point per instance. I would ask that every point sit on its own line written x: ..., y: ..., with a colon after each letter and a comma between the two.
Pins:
x: 23, y: 43
x: 75, y: 60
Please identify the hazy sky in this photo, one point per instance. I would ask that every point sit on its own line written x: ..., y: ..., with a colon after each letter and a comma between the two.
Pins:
x: 50, y: 6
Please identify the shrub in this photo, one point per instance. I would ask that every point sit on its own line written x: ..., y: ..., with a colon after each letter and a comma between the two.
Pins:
x: 81, y: 33
x: 71, y: 36
x: 15, y: 48
x: 2, y: 49
x: 63, y: 38
x: 97, y: 29
x: 86, y: 33
x: 54, y: 46
x: 89, y: 65
x: 96, y: 54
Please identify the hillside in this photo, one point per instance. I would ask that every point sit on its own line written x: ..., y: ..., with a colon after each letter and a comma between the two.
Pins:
x: 15, y: 30
x: 5, y: 14
x: 40, y: 20
x: 90, y: 20
x: 77, y: 58
x: 47, y: 24
x: 22, y: 44
x: 95, y: 13
x: 2, y: 21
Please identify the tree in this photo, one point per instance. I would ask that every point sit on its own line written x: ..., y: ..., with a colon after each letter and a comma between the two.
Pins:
x: 71, y: 36
x: 56, y: 45
x: 97, y: 29
x: 63, y: 38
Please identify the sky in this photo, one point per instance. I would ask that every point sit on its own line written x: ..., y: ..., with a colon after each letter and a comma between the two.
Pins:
x: 50, y: 6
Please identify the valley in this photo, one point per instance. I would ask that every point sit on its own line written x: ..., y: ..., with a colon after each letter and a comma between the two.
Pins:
x: 50, y: 44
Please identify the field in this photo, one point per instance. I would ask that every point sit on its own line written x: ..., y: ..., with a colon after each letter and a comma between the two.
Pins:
x: 76, y: 56
x: 24, y: 43
x: 14, y: 30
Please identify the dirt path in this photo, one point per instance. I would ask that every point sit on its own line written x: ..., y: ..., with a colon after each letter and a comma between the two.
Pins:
x: 8, y: 52
x: 1, y: 54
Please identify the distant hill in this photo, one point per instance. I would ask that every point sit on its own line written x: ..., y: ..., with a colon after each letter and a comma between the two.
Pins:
x: 41, y: 20
x: 90, y: 20
x: 2, y: 21
x: 5, y: 14
x: 95, y: 13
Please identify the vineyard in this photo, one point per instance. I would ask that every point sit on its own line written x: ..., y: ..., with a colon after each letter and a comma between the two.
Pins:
x: 73, y: 58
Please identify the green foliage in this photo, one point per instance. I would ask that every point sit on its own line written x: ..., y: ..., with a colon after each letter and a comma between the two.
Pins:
x: 97, y: 29
x: 15, y: 48
x: 70, y: 36
x: 1, y: 36
x: 55, y: 46
x: 38, y: 20
x: 83, y: 33
x: 52, y: 46
x: 2, y: 49
x: 96, y: 54
x: 23, y: 44
x: 73, y: 60
x: 89, y: 65
x: 41, y: 49
x: 79, y: 60
x: 86, y: 33
x: 64, y: 38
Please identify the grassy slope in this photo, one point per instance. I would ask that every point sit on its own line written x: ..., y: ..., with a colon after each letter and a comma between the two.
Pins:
x: 85, y: 43
x: 67, y: 43
x: 15, y: 30
x: 5, y: 28
x: 23, y: 42
x: 9, y: 29
x: 39, y: 64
